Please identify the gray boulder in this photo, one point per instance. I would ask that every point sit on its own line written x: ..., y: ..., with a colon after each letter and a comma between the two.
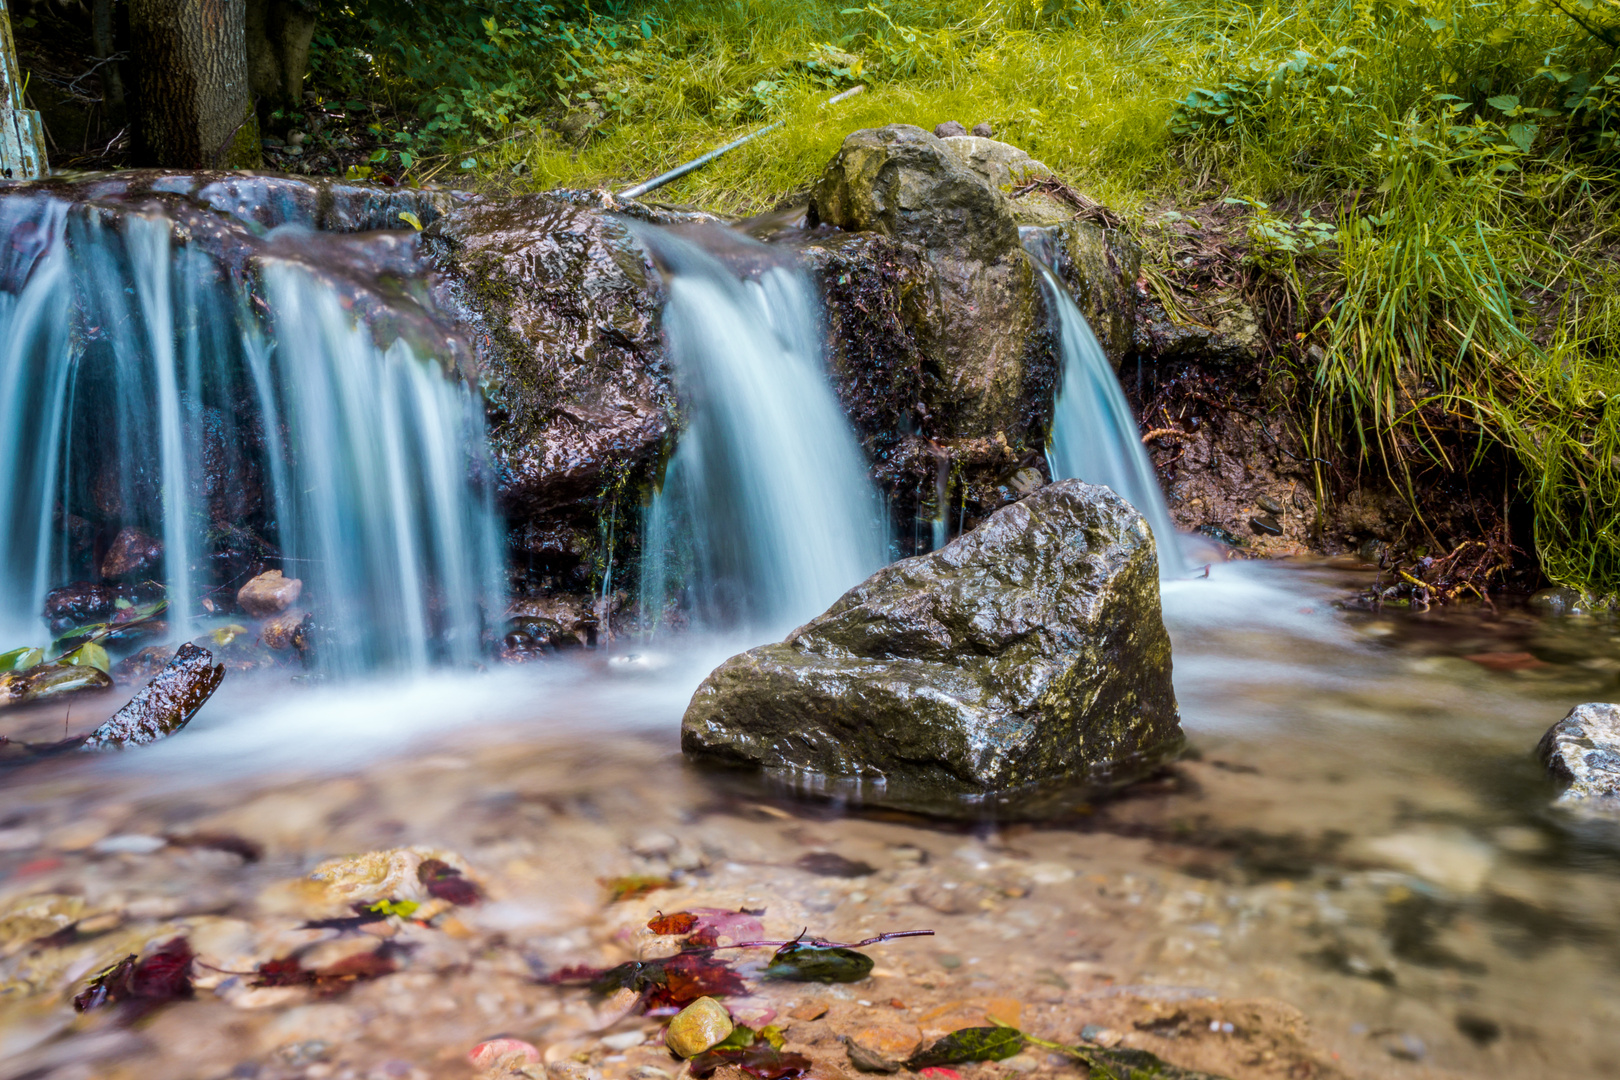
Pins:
x: 1582, y: 753
x: 989, y: 677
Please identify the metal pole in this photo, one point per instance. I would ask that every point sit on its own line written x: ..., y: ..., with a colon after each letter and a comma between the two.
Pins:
x: 22, y: 135
x: 698, y: 162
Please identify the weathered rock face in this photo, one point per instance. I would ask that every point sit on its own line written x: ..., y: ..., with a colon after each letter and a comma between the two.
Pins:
x: 1025, y: 656
x: 1582, y: 752
x: 906, y: 184
x: 566, y: 316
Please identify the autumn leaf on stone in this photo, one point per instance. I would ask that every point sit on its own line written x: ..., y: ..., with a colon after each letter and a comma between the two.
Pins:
x: 682, y: 922
x: 163, y: 975
x: 673, y: 982
x: 708, y: 926
x: 969, y: 1044
x: 444, y: 882
x: 804, y: 961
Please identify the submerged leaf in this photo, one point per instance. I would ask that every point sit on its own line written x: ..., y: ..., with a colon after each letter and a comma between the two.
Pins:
x: 832, y: 864
x: 799, y: 961
x: 682, y: 922
x: 445, y: 882
x: 754, y: 1054
x: 89, y: 655
x: 969, y: 1044
x: 163, y: 975
x: 331, y: 980
x: 633, y: 887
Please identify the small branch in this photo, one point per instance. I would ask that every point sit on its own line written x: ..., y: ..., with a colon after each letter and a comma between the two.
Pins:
x: 821, y: 943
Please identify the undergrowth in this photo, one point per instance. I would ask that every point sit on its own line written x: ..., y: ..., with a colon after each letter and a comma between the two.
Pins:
x: 1433, y: 183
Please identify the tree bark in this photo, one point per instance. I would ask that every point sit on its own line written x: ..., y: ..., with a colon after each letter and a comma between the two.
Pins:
x: 195, y: 109
x: 102, y: 44
x: 278, y: 37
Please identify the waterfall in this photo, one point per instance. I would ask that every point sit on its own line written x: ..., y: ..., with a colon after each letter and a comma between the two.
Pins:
x: 216, y: 391
x: 766, y: 514
x: 1094, y: 434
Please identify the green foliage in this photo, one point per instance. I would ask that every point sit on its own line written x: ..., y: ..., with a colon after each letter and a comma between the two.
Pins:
x: 969, y: 1044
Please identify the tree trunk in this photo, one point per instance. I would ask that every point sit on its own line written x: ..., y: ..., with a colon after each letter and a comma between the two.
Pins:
x: 102, y: 45
x: 278, y: 37
x: 195, y: 110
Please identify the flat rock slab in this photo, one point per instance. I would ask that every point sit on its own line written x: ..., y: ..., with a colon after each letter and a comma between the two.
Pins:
x: 1582, y: 752
x: 1023, y: 659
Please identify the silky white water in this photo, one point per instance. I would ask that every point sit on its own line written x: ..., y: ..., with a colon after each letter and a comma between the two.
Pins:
x: 145, y: 385
x: 766, y: 513
x: 1094, y: 434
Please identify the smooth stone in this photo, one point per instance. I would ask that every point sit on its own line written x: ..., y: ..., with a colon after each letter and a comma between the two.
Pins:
x: 280, y: 632
x: 1582, y: 754
x: 493, y: 1052
x: 1449, y: 857
x: 1557, y: 602
x: 269, y: 594
x: 133, y: 553
x: 697, y: 1027
x: 893, y: 1042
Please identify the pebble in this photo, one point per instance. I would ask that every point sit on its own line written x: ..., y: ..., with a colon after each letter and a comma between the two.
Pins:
x: 895, y: 1042
x: 20, y: 839
x: 1021, y: 1063
x: 569, y: 1069
x: 697, y: 1027
x: 1102, y: 1036
x: 269, y: 594
x: 810, y: 1010
x: 493, y: 1052
x: 129, y: 844
x: 624, y: 1040
x: 648, y: 1072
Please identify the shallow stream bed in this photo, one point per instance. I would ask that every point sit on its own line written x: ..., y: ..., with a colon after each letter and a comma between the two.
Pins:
x: 1354, y: 873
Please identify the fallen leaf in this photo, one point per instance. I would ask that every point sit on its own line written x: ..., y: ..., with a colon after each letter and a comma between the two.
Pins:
x: 969, y: 1044
x: 759, y: 1059
x: 811, y: 1010
x: 633, y: 887
x: 445, y: 882
x: 799, y: 961
x: 682, y: 922
x: 1506, y: 661
x: 160, y: 976
x: 336, y: 978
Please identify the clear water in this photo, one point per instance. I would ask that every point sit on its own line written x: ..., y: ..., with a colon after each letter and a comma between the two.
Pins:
x: 1361, y: 835
x: 1094, y: 433
x: 766, y: 514
x: 135, y: 372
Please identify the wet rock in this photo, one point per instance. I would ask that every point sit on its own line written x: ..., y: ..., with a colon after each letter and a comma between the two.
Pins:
x: 1025, y: 656
x: 906, y: 184
x: 569, y: 347
x: 503, y: 1054
x: 1558, y: 601
x: 134, y: 554
x: 697, y: 1027
x: 84, y: 602
x: 283, y: 631
x: 949, y: 129
x: 1265, y: 525
x: 886, y: 1043
x: 1582, y: 753
x: 269, y: 594
x: 48, y: 681
x: 166, y: 704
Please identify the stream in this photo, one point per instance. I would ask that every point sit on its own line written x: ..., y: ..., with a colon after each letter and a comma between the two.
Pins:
x: 1354, y: 871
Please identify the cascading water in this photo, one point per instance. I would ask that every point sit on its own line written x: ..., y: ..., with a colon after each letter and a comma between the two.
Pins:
x: 214, y: 391
x: 1094, y: 434
x: 766, y: 514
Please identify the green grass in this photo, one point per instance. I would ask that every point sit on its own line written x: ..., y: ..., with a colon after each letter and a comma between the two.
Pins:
x: 1459, y: 160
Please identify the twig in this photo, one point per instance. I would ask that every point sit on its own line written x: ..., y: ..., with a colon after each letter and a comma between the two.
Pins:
x: 820, y: 943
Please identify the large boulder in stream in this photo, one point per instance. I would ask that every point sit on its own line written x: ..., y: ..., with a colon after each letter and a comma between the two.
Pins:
x: 988, y: 677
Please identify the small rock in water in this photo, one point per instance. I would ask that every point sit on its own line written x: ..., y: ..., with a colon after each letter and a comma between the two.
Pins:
x: 1582, y: 752
x: 1268, y: 504
x: 133, y: 553
x: 166, y: 705
x: 281, y: 631
x: 1100, y: 1035
x: 1025, y: 481
x: 83, y: 602
x: 1021, y: 1063
x: 949, y: 129
x: 269, y: 594
x: 568, y: 1069
x: 1557, y: 602
x: 648, y: 1072
x: 983, y: 130
x: 697, y: 1027
x: 506, y: 1053
x: 1407, y: 1047
x: 1265, y: 525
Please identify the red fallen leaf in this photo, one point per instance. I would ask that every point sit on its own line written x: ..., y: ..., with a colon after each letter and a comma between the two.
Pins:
x: 689, y: 976
x: 445, y: 882
x: 331, y: 980
x: 1506, y: 661
x: 633, y: 887
x: 160, y: 976
x: 682, y: 922
x: 761, y: 1060
x: 939, y: 1072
